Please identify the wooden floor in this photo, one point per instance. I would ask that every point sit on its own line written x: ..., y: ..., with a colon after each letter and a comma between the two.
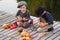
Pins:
x: 7, y: 34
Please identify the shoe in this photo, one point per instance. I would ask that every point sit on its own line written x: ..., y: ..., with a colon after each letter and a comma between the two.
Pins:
x: 50, y: 29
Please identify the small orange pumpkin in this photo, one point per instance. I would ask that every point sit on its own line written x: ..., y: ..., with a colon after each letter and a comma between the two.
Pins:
x: 41, y: 24
x: 24, y: 38
x: 24, y: 30
x: 25, y: 33
x: 9, y: 24
x: 5, y: 26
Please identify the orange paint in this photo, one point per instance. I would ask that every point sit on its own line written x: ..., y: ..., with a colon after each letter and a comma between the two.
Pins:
x: 41, y: 24
x: 25, y: 33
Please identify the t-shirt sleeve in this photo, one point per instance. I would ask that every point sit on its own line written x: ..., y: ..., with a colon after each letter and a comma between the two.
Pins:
x: 50, y: 19
x: 28, y: 15
x: 18, y: 13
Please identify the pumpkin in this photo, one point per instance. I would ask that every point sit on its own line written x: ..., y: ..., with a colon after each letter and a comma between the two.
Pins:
x: 41, y: 24
x: 5, y: 26
x: 9, y: 24
x: 25, y: 38
x: 24, y: 33
x: 24, y: 30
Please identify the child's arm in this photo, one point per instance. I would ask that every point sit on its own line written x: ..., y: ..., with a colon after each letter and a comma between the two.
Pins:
x: 19, y: 18
x: 49, y: 18
x: 28, y: 15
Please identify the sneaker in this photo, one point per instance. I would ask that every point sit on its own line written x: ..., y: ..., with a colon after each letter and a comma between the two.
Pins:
x: 50, y: 29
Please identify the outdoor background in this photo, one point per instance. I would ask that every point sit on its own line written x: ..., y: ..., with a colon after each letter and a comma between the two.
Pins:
x: 53, y: 6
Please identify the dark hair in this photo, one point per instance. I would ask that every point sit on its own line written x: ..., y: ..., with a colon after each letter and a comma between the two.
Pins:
x: 39, y: 10
x: 21, y: 3
x: 19, y: 6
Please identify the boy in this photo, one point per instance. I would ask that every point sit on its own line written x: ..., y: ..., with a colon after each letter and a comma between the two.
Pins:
x: 23, y: 15
x: 45, y: 20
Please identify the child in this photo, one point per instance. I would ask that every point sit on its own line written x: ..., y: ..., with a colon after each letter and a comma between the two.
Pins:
x: 45, y: 19
x: 23, y: 15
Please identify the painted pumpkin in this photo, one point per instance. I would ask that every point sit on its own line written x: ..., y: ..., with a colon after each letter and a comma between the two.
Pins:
x: 41, y: 24
x: 9, y: 24
x: 26, y: 38
x: 24, y: 33
x: 5, y: 26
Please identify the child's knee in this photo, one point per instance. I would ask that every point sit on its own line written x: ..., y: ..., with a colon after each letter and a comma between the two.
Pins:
x: 39, y: 29
x: 26, y: 24
x: 18, y: 22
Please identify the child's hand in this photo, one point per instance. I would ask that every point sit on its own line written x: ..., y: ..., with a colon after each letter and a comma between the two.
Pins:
x: 19, y: 18
x: 25, y: 19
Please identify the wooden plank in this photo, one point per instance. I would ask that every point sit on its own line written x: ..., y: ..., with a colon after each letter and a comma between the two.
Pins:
x: 2, y: 13
x: 36, y: 34
x: 7, y: 20
x: 43, y: 38
x: 7, y: 33
x: 5, y: 16
x: 2, y: 30
x: 11, y: 35
x: 57, y: 38
x: 55, y: 31
x: 54, y: 36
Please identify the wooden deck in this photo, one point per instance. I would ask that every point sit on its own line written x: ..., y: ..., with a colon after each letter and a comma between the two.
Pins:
x: 7, y: 34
